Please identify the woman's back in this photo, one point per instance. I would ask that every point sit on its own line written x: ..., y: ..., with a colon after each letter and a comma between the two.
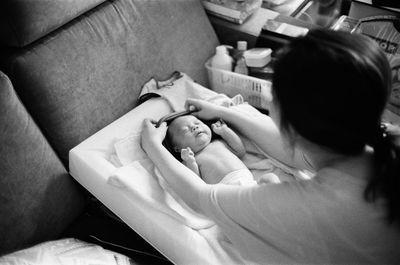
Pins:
x: 325, y: 220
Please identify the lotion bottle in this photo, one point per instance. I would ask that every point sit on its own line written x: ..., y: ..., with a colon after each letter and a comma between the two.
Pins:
x: 221, y: 59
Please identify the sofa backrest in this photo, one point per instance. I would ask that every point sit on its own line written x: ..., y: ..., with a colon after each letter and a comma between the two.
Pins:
x: 38, y: 198
x: 23, y: 21
x: 84, y: 75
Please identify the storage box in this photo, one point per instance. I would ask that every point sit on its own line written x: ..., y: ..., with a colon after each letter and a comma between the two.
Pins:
x: 257, y: 57
x: 257, y: 92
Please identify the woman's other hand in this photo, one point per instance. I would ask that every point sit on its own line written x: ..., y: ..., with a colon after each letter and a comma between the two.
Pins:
x: 204, y: 109
x: 152, y: 136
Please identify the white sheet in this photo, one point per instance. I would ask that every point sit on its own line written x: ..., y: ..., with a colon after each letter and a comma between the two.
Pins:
x: 66, y: 251
x: 121, y: 178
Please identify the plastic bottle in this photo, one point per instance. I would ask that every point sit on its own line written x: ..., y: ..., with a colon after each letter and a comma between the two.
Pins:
x: 221, y: 59
x: 241, y: 66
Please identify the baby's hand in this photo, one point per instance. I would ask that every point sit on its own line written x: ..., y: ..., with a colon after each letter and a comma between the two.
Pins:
x: 219, y: 127
x: 187, y: 155
x: 189, y: 160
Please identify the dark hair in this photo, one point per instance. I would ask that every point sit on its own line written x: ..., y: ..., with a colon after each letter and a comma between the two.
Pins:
x: 331, y: 88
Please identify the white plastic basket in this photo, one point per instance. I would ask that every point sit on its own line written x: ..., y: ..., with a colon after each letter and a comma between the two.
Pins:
x: 257, y: 92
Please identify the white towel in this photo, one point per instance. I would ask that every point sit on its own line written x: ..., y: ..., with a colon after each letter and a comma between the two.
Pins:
x: 138, y: 181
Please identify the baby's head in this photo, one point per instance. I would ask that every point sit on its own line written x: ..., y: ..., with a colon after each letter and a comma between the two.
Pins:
x: 188, y: 131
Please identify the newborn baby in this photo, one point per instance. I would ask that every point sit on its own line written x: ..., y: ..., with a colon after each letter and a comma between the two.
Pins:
x: 214, y: 160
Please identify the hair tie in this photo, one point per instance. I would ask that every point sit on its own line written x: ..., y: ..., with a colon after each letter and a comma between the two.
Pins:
x: 380, y: 137
x: 383, y: 131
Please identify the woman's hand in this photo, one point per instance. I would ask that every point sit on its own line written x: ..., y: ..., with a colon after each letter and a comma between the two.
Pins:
x: 152, y: 136
x: 204, y: 109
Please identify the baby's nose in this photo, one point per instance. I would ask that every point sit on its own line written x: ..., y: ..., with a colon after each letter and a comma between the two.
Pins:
x: 195, y: 128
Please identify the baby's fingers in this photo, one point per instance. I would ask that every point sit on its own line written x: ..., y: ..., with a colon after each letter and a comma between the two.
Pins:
x: 189, y: 150
x: 186, y: 151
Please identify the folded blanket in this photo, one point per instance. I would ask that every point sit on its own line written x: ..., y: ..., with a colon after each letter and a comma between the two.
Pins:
x: 137, y: 181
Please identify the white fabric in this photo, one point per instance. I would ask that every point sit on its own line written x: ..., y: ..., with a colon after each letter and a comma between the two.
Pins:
x: 65, y: 252
x: 241, y: 177
x: 113, y: 167
x: 136, y: 180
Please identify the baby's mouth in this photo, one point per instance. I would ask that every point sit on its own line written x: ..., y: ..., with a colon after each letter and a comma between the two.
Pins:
x: 197, y: 134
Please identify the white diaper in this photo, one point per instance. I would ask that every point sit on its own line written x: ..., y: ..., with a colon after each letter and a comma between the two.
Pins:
x: 242, y: 177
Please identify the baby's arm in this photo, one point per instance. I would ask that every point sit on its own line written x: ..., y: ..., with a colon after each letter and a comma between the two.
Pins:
x: 230, y: 137
x: 181, y: 179
x: 189, y: 160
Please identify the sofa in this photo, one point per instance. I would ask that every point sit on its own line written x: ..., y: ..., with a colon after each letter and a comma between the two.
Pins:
x: 68, y: 69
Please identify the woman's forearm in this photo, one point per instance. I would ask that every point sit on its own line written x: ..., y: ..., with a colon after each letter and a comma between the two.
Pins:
x: 258, y: 128
x: 181, y: 179
x: 263, y: 132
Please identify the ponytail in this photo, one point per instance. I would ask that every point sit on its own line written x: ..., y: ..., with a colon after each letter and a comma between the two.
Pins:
x: 385, y: 182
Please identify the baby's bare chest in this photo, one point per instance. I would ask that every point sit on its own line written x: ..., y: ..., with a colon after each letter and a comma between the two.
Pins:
x: 218, y: 159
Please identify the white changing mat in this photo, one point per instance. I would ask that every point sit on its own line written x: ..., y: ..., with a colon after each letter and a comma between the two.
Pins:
x: 142, y: 207
x: 90, y: 165
x: 127, y: 188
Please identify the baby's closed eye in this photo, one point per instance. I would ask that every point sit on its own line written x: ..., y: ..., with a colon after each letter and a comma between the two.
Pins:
x: 184, y: 130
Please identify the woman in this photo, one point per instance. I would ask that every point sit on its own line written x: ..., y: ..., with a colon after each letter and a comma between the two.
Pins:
x: 330, y: 89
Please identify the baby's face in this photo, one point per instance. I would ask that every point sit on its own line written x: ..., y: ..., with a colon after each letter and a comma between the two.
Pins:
x: 188, y: 131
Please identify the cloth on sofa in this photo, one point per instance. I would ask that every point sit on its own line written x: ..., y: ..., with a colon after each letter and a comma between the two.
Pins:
x: 65, y: 252
x: 90, y: 71
x: 38, y: 198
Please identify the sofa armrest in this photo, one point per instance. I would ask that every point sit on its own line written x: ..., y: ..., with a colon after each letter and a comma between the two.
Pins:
x: 38, y: 199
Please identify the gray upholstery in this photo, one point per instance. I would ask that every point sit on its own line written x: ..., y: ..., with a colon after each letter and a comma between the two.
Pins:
x: 38, y: 199
x: 73, y: 67
x: 24, y: 21
x: 88, y: 73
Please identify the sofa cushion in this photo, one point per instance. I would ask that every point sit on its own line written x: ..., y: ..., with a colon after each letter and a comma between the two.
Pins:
x: 38, y: 199
x: 90, y: 72
x: 23, y: 21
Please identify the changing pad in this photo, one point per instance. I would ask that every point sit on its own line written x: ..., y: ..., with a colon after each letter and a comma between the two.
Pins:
x: 92, y: 163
